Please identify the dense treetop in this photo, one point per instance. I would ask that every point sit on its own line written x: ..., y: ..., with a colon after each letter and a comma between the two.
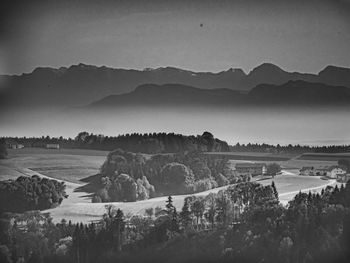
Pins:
x: 30, y: 193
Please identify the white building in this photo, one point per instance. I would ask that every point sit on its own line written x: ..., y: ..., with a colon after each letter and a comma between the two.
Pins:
x: 334, y: 171
x: 52, y: 146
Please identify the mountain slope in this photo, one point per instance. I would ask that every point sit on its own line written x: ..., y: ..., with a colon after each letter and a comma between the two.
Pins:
x: 171, y: 95
x: 82, y: 84
x: 300, y: 93
x: 291, y: 93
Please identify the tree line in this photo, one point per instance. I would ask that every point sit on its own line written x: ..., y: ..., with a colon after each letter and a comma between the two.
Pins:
x: 134, y: 142
x: 270, y: 148
x: 167, y: 143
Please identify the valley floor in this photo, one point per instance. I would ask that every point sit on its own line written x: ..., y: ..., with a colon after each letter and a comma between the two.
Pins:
x: 74, y: 165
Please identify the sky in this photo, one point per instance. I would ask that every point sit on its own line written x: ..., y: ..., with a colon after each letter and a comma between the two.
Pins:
x: 205, y: 35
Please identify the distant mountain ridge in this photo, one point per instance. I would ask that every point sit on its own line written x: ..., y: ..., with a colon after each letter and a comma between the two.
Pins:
x: 291, y: 93
x: 82, y: 84
x: 170, y: 95
x: 300, y: 93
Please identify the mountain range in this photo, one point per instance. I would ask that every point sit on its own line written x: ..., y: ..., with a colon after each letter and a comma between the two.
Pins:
x: 81, y: 84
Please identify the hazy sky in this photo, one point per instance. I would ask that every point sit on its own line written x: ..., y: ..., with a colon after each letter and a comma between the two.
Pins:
x: 198, y: 35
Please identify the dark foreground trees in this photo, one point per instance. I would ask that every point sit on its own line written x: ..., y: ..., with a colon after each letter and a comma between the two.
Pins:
x: 244, y: 223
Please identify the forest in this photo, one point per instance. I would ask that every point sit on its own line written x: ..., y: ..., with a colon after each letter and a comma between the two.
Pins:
x: 136, y: 142
x: 127, y: 176
x: 244, y: 223
x: 269, y: 148
x: 30, y: 193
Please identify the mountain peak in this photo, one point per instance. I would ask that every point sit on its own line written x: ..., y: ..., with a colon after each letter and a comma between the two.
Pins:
x: 82, y: 66
x: 334, y: 69
x: 266, y: 68
x: 47, y: 70
x: 236, y: 71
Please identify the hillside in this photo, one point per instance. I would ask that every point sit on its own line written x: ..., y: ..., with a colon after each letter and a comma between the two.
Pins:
x: 290, y: 93
x: 299, y: 93
x: 171, y: 95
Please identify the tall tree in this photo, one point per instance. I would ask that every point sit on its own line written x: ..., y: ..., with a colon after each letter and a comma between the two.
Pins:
x: 185, y: 214
x: 169, y: 205
x: 274, y: 189
x: 273, y: 169
x: 197, y: 209
x: 118, y: 228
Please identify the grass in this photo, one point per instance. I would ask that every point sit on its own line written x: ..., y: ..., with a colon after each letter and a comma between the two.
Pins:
x: 85, y: 212
x: 253, y: 156
x: 324, y: 156
x: 72, y: 165
x: 31, y: 151
x: 65, y: 164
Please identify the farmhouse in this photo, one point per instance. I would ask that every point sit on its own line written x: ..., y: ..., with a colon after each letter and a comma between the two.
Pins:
x: 334, y: 171
x: 12, y: 144
x: 252, y: 169
x: 307, y: 170
x: 52, y: 146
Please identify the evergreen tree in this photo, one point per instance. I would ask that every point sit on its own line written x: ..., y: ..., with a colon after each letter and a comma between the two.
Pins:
x: 118, y: 229
x: 169, y: 205
x: 274, y: 189
x: 185, y: 214
x: 174, y: 222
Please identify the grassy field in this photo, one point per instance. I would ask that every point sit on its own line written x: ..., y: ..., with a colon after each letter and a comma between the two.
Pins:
x: 71, y: 165
x: 65, y: 164
x: 31, y: 151
x: 254, y: 156
x: 324, y: 156
x: 287, y: 186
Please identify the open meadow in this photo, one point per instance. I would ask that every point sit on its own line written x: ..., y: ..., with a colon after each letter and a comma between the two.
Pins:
x: 64, y: 164
x: 72, y: 165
